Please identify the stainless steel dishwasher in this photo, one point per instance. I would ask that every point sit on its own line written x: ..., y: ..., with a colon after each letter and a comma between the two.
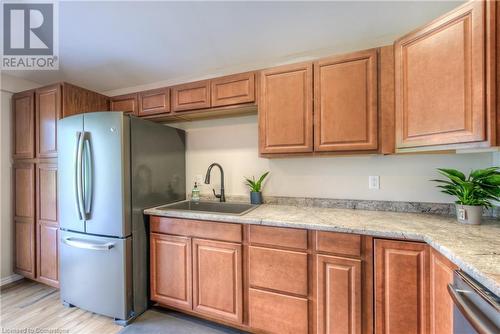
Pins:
x: 476, y: 309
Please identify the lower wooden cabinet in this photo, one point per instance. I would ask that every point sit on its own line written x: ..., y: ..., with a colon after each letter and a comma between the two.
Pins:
x: 47, y: 255
x: 24, y: 263
x: 441, y: 304
x: 401, y: 287
x: 338, y: 301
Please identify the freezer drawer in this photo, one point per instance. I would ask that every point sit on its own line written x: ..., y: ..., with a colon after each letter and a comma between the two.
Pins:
x: 97, y: 273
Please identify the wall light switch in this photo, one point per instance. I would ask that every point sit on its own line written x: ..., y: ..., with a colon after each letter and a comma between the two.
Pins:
x: 373, y: 182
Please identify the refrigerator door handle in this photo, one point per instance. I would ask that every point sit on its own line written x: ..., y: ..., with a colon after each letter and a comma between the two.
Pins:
x: 88, y: 175
x: 79, y: 177
x: 77, y: 174
x: 84, y: 244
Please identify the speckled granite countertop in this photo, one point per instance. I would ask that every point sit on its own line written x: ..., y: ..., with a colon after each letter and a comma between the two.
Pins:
x: 475, y: 249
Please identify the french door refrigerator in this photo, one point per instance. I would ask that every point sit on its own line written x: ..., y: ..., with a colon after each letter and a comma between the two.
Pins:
x: 111, y: 167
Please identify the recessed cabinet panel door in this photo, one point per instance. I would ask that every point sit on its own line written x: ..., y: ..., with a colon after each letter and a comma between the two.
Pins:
x: 23, y: 118
x: 25, y: 247
x: 24, y: 190
x: 190, y: 96
x: 346, y: 102
x: 153, y: 102
x: 401, y: 287
x: 441, y: 304
x: 47, y: 192
x: 47, y: 254
x: 233, y: 89
x: 126, y: 103
x: 171, y: 270
x: 338, y: 295
x: 48, y: 111
x: 217, y: 280
x: 440, y: 81
x: 285, y: 109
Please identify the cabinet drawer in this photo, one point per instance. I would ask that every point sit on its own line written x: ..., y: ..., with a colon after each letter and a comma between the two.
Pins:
x: 278, y: 237
x: 276, y: 313
x: 338, y: 243
x: 197, y: 228
x: 277, y: 269
x: 233, y: 89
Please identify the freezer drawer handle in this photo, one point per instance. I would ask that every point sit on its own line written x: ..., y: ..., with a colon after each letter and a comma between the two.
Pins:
x: 84, y: 244
x: 475, y: 317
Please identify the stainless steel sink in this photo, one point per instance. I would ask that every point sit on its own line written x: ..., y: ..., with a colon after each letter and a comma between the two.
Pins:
x: 210, y: 207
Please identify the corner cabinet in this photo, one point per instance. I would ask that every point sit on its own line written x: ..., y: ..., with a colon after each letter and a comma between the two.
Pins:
x: 443, y: 81
x: 286, y: 109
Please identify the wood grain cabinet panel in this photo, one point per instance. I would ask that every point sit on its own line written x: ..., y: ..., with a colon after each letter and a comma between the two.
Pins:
x: 25, y: 247
x: 233, y: 89
x: 286, y: 109
x: 23, y: 119
x: 278, y: 237
x: 276, y: 313
x: 345, y: 109
x: 153, y: 102
x: 191, y: 96
x: 277, y: 269
x: 127, y: 103
x: 77, y: 100
x: 48, y: 111
x: 46, y: 192
x: 338, y: 243
x: 171, y: 270
x: 401, y: 287
x: 440, y: 80
x: 24, y: 190
x: 441, y: 304
x: 47, y: 254
x: 338, y: 295
x: 217, y: 280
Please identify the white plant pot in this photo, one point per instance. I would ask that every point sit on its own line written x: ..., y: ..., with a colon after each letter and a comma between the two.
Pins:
x: 469, y: 214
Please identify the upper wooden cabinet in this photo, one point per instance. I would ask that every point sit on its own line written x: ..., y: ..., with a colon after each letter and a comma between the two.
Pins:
x: 23, y: 118
x: 401, y: 287
x: 345, y: 109
x: 441, y: 80
x: 190, y: 96
x: 48, y: 111
x: 286, y: 109
x: 77, y: 100
x: 233, y: 89
x: 127, y: 103
x: 153, y: 102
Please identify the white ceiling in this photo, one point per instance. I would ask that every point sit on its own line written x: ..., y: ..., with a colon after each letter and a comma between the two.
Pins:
x: 116, y: 47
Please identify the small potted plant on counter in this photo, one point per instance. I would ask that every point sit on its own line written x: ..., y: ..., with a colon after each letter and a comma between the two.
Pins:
x: 255, y: 188
x: 473, y: 192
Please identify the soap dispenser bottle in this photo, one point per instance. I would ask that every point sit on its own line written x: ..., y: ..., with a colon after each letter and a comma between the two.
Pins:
x: 195, y: 193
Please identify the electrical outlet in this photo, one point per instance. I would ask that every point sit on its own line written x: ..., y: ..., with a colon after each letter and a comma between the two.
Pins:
x: 198, y: 179
x: 373, y: 182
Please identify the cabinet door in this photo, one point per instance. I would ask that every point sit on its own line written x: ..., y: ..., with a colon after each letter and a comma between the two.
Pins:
x: 217, y: 280
x: 441, y: 305
x: 47, y: 224
x: 190, y: 96
x: 338, y: 295
x: 345, y: 109
x: 126, y: 103
x: 233, y: 89
x: 48, y: 111
x: 153, y: 102
x: 440, y: 80
x: 171, y: 274
x: 24, y: 218
x: 286, y: 109
x: 401, y: 287
x: 23, y: 118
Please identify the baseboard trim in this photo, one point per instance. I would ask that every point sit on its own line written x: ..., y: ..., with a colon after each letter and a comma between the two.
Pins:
x: 10, y: 279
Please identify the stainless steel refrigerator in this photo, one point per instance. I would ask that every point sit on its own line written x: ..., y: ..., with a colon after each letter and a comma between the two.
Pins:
x: 111, y: 167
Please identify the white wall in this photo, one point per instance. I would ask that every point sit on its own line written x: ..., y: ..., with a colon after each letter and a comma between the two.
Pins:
x: 8, y: 86
x: 233, y: 143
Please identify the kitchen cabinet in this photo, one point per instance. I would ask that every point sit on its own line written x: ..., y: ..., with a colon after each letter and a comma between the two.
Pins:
x: 346, y: 104
x: 441, y: 82
x: 47, y: 224
x: 286, y: 109
x: 154, y: 102
x: 441, y: 304
x: 191, y: 96
x: 233, y: 89
x: 48, y: 111
x: 401, y: 287
x: 24, y: 218
x: 171, y: 266
x: 127, y: 103
x: 23, y: 120
x: 77, y: 100
x: 217, y: 279
x: 338, y: 295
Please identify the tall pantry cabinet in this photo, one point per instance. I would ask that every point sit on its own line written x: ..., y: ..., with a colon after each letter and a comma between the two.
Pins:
x: 34, y: 173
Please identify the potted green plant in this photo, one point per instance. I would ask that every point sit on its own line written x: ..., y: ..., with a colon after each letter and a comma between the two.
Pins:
x: 255, y: 188
x: 473, y: 192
